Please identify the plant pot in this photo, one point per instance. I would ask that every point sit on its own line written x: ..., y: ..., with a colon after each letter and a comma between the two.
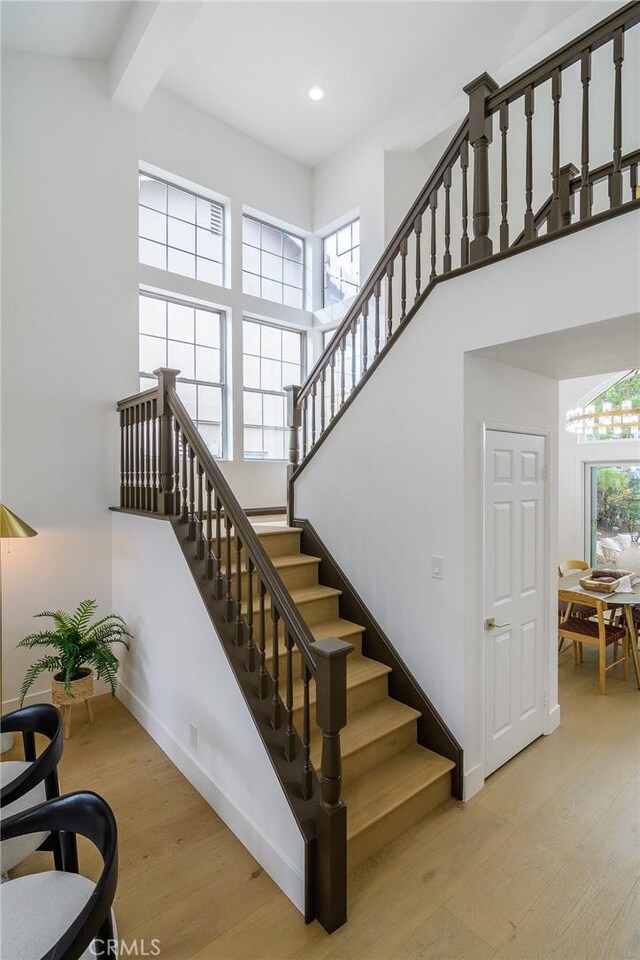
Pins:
x: 81, y: 689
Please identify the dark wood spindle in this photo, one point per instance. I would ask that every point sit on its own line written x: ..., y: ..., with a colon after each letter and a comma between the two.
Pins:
x: 343, y: 347
x: 403, y: 279
x: 123, y: 469
x: 228, y: 595
x: 304, y: 426
x: 480, y: 137
x: 262, y: 642
x: 504, y: 190
x: 148, y: 505
x: 289, y: 736
x: 313, y: 414
x: 136, y: 455
x: 307, y: 770
x: 201, y: 543
x: 192, y: 494
x: 354, y: 356
x: 184, y: 516
x: 417, y: 227
x: 464, y: 166
x: 376, y: 319
x: 615, y: 180
x: 389, y: 299
x: 219, y: 587
x: 209, y: 532
x: 433, y: 206
x: 127, y: 458
x: 178, y: 506
x: 276, y: 719
x: 446, y: 259
x: 250, y: 649
x: 238, y: 596
x: 586, y: 193
x: 332, y: 398
x: 154, y: 453
x: 365, y: 336
x: 529, y: 219
x: 323, y: 400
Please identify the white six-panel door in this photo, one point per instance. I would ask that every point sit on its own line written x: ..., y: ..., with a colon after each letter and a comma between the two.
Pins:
x: 513, y: 594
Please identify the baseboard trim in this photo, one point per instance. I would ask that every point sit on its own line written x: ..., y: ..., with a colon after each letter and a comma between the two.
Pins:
x: 281, y: 870
x: 473, y: 781
x: 42, y: 696
x: 552, y: 720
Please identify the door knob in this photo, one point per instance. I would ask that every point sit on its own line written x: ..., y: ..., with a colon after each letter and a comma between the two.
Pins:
x: 490, y: 624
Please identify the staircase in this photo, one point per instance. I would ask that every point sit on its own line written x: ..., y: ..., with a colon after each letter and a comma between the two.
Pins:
x: 389, y: 781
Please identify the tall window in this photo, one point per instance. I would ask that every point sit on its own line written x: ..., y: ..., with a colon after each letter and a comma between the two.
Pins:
x: 272, y: 263
x: 613, y: 514
x: 273, y: 359
x: 190, y: 339
x: 620, y: 399
x: 342, y: 263
x: 180, y: 231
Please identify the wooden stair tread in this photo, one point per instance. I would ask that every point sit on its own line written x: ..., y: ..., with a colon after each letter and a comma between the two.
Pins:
x: 275, y: 531
x: 299, y: 596
x: 359, y: 670
x: 280, y: 563
x: 371, y: 797
x: 342, y: 629
x: 366, y: 726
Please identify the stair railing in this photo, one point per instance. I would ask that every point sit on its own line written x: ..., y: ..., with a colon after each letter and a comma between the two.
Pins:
x: 424, y: 249
x: 166, y: 469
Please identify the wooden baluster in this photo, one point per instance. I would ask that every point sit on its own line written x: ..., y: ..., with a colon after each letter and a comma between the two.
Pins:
x: 123, y: 429
x: 127, y: 460
x: 227, y: 572
x: 433, y: 205
x: 331, y: 816
x: 376, y: 319
x: 307, y: 770
x: 403, y: 279
x: 586, y: 192
x: 192, y: 494
x: 417, y: 226
x: 323, y: 401
x: 633, y: 181
x: 238, y: 597
x: 168, y: 467
x: 332, y: 399
x: 313, y: 414
x: 219, y: 588
x: 556, y: 94
x: 480, y: 137
x: 389, y: 300
x: 446, y: 259
x: 343, y: 347
x: 504, y: 198
x: 529, y: 220
x: 304, y: 427
x: 354, y: 357
x: 136, y: 456
x: 250, y: 650
x: 184, y: 516
x: 615, y: 179
x: 176, y: 453
x: 365, y: 335
x: 209, y: 532
x: 201, y: 543
x: 154, y: 454
x: 148, y: 474
x: 275, y: 673
x: 290, y: 736
x: 464, y: 166
x: 262, y: 643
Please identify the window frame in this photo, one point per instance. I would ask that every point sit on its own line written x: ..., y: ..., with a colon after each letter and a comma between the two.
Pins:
x: 589, y: 508
x: 326, y: 237
x: 197, y: 196
x: 303, y: 262
x: 274, y: 393
x: 223, y: 385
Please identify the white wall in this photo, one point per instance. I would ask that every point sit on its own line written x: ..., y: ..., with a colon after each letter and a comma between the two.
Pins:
x: 70, y: 312
x: 176, y: 674
x: 574, y: 456
x: 389, y: 485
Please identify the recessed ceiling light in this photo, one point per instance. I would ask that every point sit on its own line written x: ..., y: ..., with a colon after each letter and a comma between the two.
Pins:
x: 315, y: 92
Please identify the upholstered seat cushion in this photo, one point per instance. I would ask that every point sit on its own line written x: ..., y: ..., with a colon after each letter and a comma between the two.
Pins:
x: 37, y: 909
x: 13, y: 851
x: 589, y: 628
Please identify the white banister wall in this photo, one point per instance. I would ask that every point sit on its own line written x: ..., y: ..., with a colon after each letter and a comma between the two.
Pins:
x: 398, y: 478
x: 176, y: 677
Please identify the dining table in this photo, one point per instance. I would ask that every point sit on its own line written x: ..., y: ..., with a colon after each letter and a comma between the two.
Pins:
x: 626, y: 600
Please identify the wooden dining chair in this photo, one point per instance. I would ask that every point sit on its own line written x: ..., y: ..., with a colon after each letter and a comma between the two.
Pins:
x: 594, y: 632
x: 565, y: 567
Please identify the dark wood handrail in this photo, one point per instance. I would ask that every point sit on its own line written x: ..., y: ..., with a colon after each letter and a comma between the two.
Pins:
x: 391, y: 250
x: 628, y: 16
x: 300, y: 632
x: 137, y: 398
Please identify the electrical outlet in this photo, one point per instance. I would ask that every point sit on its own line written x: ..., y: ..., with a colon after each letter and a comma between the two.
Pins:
x: 193, y: 736
x: 437, y: 568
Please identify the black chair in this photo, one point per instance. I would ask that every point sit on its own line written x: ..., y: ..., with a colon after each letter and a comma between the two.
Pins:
x: 28, y: 782
x: 57, y: 915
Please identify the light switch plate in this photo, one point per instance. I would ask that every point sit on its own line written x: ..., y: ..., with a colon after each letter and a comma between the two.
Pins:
x: 437, y: 568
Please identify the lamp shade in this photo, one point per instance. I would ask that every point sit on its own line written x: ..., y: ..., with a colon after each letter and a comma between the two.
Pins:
x: 13, y: 526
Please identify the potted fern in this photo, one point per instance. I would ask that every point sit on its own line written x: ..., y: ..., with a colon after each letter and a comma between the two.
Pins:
x: 78, y: 645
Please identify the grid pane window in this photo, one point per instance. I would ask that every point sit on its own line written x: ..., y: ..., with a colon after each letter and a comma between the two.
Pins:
x: 190, y: 339
x: 341, y: 256
x: 180, y: 231
x: 272, y: 263
x: 272, y: 360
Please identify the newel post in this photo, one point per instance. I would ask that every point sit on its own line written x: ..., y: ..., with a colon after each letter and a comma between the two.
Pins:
x: 166, y: 380
x: 331, y: 838
x: 480, y: 136
x: 294, y: 422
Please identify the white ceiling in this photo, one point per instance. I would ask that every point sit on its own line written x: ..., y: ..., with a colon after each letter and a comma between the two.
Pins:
x: 64, y: 29
x: 250, y: 63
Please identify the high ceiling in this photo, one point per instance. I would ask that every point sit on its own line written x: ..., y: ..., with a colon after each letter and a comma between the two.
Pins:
x: 250, y: 63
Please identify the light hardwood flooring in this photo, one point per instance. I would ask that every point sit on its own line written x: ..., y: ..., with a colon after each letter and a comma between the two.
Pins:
x: 543, y: 863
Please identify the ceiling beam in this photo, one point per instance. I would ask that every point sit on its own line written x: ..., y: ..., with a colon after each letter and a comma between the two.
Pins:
x: 145, y: 49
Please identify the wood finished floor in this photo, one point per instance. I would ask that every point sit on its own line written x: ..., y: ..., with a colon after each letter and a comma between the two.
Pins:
x: 543, y: 863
